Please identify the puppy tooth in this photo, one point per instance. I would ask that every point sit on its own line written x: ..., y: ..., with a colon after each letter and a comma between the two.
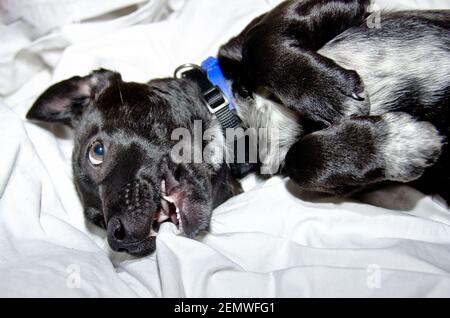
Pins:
x: 168, y: 199
x: 163, y: 187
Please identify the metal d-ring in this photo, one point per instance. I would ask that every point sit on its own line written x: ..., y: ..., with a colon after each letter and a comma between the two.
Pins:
x: 185, y: 68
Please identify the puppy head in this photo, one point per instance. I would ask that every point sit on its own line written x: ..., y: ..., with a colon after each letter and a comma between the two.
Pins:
x: 125, y: 175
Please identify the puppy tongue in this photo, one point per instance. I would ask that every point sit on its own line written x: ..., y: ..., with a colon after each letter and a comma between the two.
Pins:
x: 172, y: 209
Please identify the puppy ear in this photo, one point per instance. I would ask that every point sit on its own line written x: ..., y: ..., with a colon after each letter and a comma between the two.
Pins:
x: 64, y: 102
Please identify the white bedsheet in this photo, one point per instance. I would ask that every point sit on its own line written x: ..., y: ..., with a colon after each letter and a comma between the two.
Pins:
x: 272, y: 241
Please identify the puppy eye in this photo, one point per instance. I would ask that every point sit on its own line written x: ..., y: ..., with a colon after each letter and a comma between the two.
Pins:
x: 96, y: 153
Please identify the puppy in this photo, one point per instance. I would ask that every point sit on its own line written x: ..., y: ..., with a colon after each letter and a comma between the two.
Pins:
x: 123, y: 171
x: 348, y: 119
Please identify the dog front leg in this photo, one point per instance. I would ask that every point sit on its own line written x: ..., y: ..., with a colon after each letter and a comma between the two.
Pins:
x: 304, y: 81
x: 277, y: 51
x: 361, y: 151
x: 313, y: 23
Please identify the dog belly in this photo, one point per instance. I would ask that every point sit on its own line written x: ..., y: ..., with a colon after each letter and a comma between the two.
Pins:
x: 280, y: 123
x: 406, y: 61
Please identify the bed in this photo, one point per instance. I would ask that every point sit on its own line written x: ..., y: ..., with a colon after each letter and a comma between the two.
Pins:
x: 271, y: 241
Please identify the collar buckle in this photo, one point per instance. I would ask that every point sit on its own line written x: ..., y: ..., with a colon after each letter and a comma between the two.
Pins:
x: 218, y: 99
x: 215, y: 100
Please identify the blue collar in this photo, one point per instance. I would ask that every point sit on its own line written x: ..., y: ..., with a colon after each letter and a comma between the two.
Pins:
x: 215, y: 76
x: 217, y: 96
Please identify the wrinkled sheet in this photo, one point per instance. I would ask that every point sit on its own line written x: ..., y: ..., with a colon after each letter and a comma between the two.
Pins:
x: 271, y: 241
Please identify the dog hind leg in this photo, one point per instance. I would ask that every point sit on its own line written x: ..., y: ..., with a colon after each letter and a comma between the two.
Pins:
x: 364, y: 150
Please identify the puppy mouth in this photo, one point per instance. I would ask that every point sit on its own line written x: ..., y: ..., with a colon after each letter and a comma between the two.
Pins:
x: 170, y: 211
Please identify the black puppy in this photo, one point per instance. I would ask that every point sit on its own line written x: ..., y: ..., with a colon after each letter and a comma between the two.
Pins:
x: 123, y: 161
x: 123, y: 169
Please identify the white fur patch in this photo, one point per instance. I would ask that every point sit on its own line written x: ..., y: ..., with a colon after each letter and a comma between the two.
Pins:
x: 389, y: 66
x: 410, y: 146
x: 267, y: 114
x: 214, y: 152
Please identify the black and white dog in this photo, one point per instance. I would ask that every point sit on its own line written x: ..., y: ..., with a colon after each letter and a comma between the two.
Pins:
x: 358, y: 106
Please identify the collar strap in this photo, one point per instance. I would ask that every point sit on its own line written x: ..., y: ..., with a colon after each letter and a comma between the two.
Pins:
x: 214, y: 90
x: 215, y: 76
x: 219, y: 101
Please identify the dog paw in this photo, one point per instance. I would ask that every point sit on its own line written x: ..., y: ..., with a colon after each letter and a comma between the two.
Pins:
x: 361, y: 151
x: 355, y: 97
x: 339, y: 160
x: 409, y: 146
x: 344, y: 97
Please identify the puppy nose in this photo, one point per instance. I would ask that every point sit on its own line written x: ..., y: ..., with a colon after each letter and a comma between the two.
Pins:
x: 117, y: 230
x: 121, y: 239
x: 119, y: 236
